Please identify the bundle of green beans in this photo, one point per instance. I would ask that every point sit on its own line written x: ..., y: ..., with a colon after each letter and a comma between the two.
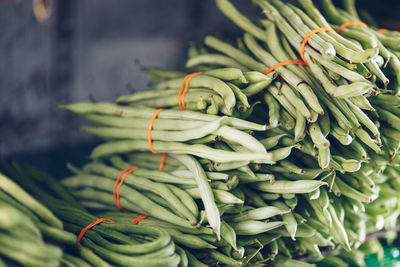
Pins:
x: 46, y: 211
x: 22, y: 241
x: 261, y: 167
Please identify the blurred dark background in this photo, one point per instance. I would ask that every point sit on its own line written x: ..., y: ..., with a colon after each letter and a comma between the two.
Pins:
x: 86, y: 50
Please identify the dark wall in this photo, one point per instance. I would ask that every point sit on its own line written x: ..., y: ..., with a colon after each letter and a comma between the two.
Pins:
x: 87, y: 50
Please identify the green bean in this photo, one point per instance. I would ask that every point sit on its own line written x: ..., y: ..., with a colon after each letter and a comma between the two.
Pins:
x: 251, y: 227
x: 270, y: 196
x: 271, y: 142
x: 23, y: 258
x: 234, y: 53
x: 74, y: 261
x: 300, y: 127
x: 386, y: 100
x: 244, y: 139
x: 52, y: 183
x: 259, y: 214
x: 362, y: 102
x: 205, y: 191
x: 291, y: 202
x: 302, y: 231
x: 92, y: 258
x: 295, y: 100
x: 204, y: 81
x: 143, y: 112
x: 230, y: 165
x: 259, y: 177
x: 127, y: 192
x: 280, y: 153
x: 240, y: 95
x: 391, y: 119
x: 118, y: 147
x: 221, y: 196
x: 239, y: 19
x: 317, y: 136
x: 287, y: 75
x: 223, y: 258
x: 366, y: 139
x: 253, y: 198
x: 142, y: 183
x: 282, y: 100
x: 325, y: 49
x: 273, y: 110
x: 158, y: 74
x: 255, y: 88
x: 256, y: 76
x: 184, y: 262
x: 228, y: 234
x: 351, y: 192
x: 324, y: 157
x: 22, y: 196
x: 193, y: 261
x: 291, y: 167
x: 337, y: 230
x: 190, y: 241
x: 288, y: 218
x: 213, y: 59
x: 227, y: 74
x: 185, y: 199
x: 296, y: 187
x: 56, y: 234
x: 160, y: 239
x: 288, y: 120
x: 177, y: 136
x: 172, y: 260
x: 308, y: 147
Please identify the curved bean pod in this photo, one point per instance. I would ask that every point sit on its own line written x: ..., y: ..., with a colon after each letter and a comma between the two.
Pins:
x: 295, y: 187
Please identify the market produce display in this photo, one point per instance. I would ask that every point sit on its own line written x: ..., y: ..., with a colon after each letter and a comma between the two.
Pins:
x: 276, y: 148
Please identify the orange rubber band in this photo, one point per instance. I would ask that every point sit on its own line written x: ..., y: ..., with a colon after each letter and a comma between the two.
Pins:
x: 305, y: 40
x: 151, y: 128
x: 284, y: 63
x: 184, y: 88
x: 162, y: 162
x: 164, y: 155
x: 138, y: 219
x: 383, y: 31
x: 85, y: 229
x: 349, y: 24
x: 118, y: 183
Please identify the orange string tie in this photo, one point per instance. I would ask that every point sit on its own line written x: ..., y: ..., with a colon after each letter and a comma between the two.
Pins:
x: 305, y: 40
x: 118, y: 184
x: 149, y: 129
x: 162, y: 162
x: 383, y: 31
x: 349, y: 24
x: 284, y: 63
x: 85, y: 229
x: 138, y: 219
x: 184, y: 88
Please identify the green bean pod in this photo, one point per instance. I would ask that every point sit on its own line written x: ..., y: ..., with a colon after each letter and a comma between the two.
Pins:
x: 295, y: 187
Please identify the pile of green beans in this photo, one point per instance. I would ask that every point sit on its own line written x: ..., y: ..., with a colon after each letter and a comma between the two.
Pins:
x: 261, y: 168
x: 22, y: 240
x: 44, y: 210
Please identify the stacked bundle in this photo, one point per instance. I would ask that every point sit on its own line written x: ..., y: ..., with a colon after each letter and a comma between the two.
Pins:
x: 72, y: 236
x: 285, y: 154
